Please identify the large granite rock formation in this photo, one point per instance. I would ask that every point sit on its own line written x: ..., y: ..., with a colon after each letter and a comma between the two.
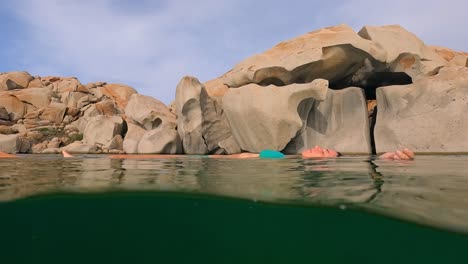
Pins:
x: 190, y: 116
x: 149, y: 112
x: 426, y: 116
x: 202, y: 125
x: 355, y: 64
x: 339, y: 121
x: 266, y: 117
x: 377, y: 89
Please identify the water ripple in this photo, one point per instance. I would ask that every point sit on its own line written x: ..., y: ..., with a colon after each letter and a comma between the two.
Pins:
x: 429, y: 190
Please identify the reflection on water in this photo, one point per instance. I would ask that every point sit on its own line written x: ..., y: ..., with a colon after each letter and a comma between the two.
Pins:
x: 429, y: 190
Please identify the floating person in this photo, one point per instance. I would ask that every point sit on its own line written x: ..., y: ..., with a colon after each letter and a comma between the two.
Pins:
x: 318, y: 152
x: 6, y: 155
x: 315, y: 152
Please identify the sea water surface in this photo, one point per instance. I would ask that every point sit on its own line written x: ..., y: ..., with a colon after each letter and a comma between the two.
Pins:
x: 194, y: 209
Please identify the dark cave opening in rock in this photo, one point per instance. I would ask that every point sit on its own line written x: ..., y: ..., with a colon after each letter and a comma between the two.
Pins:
x: 271, y: 80
x: 372, y: 81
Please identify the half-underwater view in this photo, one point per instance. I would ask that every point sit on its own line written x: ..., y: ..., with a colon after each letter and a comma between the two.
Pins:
x: 233, y: 132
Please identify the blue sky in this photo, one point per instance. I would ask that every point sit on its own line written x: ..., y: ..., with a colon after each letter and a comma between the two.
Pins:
x: 151, y: 45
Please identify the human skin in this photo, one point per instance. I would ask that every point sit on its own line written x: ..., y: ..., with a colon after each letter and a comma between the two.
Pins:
x: 404, y: 154
x: 6, y: 155
x: 318, y: 152
x: 315, y: 152
x: 245, y: 155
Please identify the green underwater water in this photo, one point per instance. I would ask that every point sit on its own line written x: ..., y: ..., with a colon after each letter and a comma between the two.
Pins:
x: 196, y: 210
x: 175, y: 228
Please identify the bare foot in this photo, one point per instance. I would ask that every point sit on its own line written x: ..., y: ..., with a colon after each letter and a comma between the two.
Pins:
x: 6, y: 155
x: 66, y: 154
x: 404, y: 154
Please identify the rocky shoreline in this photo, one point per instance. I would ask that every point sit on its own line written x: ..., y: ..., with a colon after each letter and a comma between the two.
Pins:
x: 370, y: 91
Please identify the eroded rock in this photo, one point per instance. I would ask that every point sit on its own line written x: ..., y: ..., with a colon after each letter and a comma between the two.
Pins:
x: 150, y: 113
x: 427, y: 116
x: 190, y: 116
x: 119, y: 93
x: 339, y: 121
x: 14, y: 80
x: 132, y: 138
x: 9, y: 143
x: 160, y: 141
x: 101, y: 129
x: 267, y: 117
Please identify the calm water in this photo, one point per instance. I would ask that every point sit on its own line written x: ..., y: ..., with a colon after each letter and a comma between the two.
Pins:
x: 92, y: 209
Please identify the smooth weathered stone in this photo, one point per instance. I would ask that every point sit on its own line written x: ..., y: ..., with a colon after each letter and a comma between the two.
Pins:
x: 4, y: 113
x: 229, y: 145
x: 387, y: 36
x: 54, y: 143
x: 54, y: 113
x: 24, y: 145
x: 81, y: 148
x: 38, y: 148
x: 14, y: 80
x: 9, y: 143
x: 19, y: 127
x: 15, y: 108
x: 106, y: 107
x: 455, y: 58
x: 69, y: 84
x: 115, y: 143
x: 71, y: 111
x: 71, y: 99
x: 50, y: 151
x: 266, y: 117
x: 132, y: 138
x: 427, y: 116
x: 35, y: 83
x: 410, y: 55
x: 89, y: 111
x: 7, y: 130
x: 150, y: 113
x: 215, y: 126
x: 119, y: 93
x: 101, y: 129
x: 38, y: 97
x: 34, y: 114
x: 339, y: 121
x: 330, y: 53
x: 160, y: 141
x: 189, y: 115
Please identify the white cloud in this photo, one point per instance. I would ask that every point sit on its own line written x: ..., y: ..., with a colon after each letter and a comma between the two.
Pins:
x: 97, y: 41
x: 150, y: 45
x: 436, y: 22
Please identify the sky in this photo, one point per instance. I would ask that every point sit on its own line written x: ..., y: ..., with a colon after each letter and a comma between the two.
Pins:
x: 151, y: 45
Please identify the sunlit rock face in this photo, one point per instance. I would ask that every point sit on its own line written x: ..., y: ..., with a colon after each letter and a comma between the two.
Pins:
x: 266, y: 117
x: 369, y: 91
x: 189, y: 115
x: 426, y: 116
x: 355, y: 64
x: 201, y: 122
x: 339, y: 121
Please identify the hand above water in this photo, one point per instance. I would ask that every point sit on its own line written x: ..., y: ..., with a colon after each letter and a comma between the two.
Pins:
x: 404, y: 154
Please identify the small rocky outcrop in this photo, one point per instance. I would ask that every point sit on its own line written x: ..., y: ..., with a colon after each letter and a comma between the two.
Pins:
x: 14, y: 80
x: 153, y: 128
